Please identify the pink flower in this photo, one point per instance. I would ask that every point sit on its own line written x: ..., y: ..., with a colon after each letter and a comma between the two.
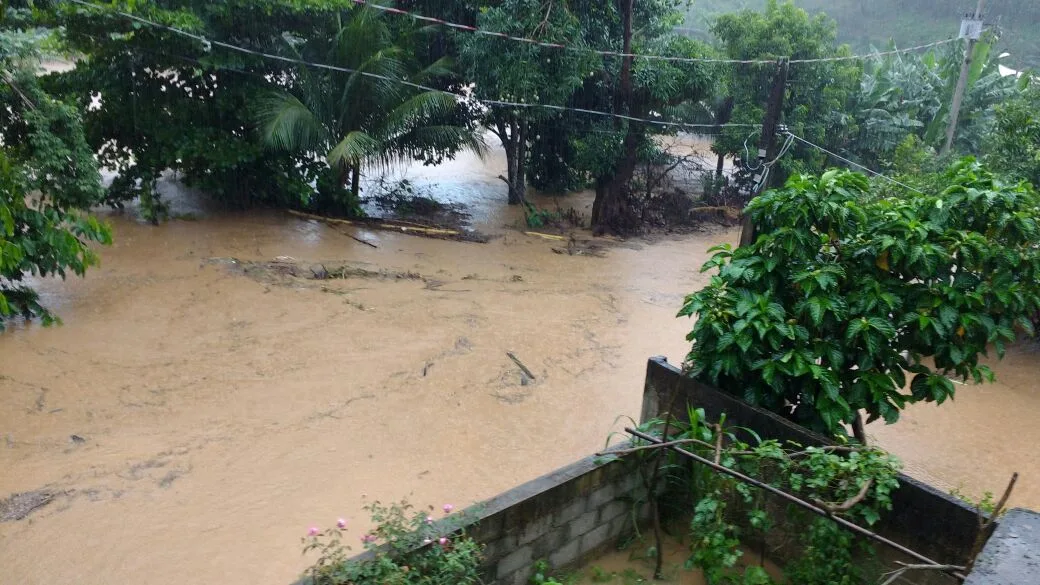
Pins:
x: 368, y: 538
x: 341, y: 523
x: 442, y: 540
x: 429, y: 519
x: 448, y: 508
x: 313, y: 531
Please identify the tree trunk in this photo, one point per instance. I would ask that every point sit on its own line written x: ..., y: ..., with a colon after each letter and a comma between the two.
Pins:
x: 608, y: 208
x: 355, y: 182
x: 859, y: 430
x: 514, y: 142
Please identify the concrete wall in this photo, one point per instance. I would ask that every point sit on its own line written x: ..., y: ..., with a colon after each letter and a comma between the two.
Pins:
x: 566, y: 517
x: 1012, y: 554
x: 923, y: 519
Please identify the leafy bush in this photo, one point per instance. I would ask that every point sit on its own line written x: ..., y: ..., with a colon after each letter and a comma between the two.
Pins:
x: 852, y: 482
x: 407, y: 545
x: 845, y: 293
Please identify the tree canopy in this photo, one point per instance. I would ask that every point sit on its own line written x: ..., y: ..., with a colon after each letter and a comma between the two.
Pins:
x: 846, y: 296
x: 48, y: 179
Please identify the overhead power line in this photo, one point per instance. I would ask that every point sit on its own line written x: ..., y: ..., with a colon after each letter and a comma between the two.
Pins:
x: 855, y: 164
x: 530, y: 41
x: 488, y: 102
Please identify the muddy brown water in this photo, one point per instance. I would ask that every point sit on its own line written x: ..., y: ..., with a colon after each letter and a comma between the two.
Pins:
x: 218, y: 414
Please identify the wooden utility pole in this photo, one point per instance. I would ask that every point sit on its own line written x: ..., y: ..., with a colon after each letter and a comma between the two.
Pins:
x: 962, y: 83
x: 767, y: 143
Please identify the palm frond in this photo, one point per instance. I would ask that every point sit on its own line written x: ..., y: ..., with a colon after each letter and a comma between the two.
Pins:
x: 439, y: 68
x: 353, y: 150
x: 288, y: 123
x: 428, y: 105
x: 442, y: 138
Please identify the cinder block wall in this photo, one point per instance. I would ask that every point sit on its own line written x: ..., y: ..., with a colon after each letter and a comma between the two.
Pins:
x: 565, y: 518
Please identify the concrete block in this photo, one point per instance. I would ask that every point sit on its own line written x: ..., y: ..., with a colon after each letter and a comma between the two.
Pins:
x: 547, y: 543
x: 566, y: 554
x: 595, y: 538
x: 629, y: 482
x: 601, y: 496
x: 1012, y: 555
x: 535, y: 529
x: 613, y: 510
x: 515, y: 560
x: 521, y: 576
x: 620, y: 525
x: 583, y: 523
x: 570, y: 512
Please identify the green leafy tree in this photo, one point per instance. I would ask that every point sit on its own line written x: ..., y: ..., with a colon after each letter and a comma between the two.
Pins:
x: 578, y: 149
x: 506, y: 70
x: 847, y: 296
x: 1014, y: 147
x: 48, y: 180
x: 818, y: 95
x: 167, y: 102
x: 353, y: 119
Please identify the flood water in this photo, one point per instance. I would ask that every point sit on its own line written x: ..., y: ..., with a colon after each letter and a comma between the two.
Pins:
x: 218, y: 415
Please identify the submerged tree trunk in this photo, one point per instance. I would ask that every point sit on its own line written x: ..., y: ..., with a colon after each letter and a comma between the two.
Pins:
x: 355, y: 182
x: 608, y: 209
x: 513, y: 136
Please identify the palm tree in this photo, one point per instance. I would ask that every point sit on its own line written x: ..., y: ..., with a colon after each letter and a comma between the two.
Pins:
x: 354, y: 119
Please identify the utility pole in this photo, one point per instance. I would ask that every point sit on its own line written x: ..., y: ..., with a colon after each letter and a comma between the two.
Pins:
x: 972, y: 33
x: 767, y: 143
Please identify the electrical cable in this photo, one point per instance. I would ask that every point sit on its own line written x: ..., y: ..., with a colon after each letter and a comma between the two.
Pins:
x: 530, y: 41
x: 488, y: 102
x: 855, y: 164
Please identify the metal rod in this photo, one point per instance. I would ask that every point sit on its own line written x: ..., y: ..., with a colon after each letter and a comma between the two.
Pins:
x: 798, y: 501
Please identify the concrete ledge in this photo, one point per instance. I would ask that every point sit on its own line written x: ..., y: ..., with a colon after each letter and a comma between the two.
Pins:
x: 564, y: 517
x: 1012, y: 555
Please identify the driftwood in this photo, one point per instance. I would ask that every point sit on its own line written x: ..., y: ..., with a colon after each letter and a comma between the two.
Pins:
x: 519, y: 363
x: 393, y: 225
x: 357, y: 239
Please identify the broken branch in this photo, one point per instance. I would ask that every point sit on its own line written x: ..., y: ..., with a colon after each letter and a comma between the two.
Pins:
x: 519, y: 363
x: 893, y: 576
x: 849, y: 503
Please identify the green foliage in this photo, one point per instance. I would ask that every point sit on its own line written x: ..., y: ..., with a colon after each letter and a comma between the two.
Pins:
x: 819, y: 95
x: 543, y: 576
x: 847, y: 294
x: 168, y: 102
x: 728, y: 515
x: 353, y: 119
x: 518, y: 72
x: 1014, y: 146
x: 909, y: 95
x: 408, y: 549
x: 48, y: 178
x: 872, y: 23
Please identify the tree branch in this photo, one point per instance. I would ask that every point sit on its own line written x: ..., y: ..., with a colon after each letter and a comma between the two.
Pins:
x: 849, y: 503
x: 893, y: 576
x: 10, y: 81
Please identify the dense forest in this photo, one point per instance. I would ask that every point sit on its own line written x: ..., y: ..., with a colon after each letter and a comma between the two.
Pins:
x: 866, y: 23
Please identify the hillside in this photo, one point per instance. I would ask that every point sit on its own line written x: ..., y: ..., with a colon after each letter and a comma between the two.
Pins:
x: 863, y: 23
